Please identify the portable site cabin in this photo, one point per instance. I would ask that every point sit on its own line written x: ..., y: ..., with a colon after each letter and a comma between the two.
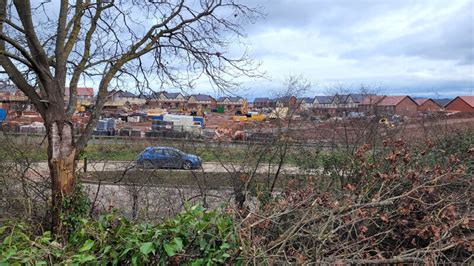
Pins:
x: 182, y: 122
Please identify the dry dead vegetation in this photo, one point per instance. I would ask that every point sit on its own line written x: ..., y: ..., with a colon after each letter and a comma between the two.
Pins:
x: 401, y: 202
x: 395, y: 209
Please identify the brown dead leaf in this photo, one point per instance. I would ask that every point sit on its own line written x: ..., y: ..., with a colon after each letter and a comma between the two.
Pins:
x: 350, y: 187
x: 384, y: 217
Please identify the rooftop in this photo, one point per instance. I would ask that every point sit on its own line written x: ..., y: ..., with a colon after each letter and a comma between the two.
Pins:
x: 81, y: 91
x: 121, y: 93
x: 306, y: 100
x: 372, y: 99
x: 232, y: 99
x: 262, y: 100
x: 468, y: 99
x: 202, y: 97
x: 392, y: 100
x: 171, y: 95
x: 323, y: 99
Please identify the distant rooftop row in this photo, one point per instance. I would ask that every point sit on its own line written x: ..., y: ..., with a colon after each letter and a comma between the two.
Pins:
x: 333, y: 103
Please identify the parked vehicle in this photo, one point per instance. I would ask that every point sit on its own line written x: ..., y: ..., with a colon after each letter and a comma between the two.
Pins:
x: 167, y: 157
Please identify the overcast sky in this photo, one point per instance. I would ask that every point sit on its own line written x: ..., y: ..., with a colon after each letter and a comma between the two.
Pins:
x: 416, y: 47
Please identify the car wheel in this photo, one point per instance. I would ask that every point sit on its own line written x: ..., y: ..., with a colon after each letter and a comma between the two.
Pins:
x: 187, y: 165
x: 148, y: 164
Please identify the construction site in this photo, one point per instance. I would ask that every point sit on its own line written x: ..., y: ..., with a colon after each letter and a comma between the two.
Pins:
x: 231, y: 119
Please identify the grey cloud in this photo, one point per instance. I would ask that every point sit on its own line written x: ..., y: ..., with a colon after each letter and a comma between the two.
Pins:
x: 389, y: 86
x: 468, y: 59
x: 438, y: 44
x: 448, y: 40
x: 267, y: 53
x: 327, y: 16
x: 408, y: 85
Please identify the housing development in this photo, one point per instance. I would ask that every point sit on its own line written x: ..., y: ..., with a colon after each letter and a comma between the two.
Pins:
x: 236, y: 132
x: 134, y: 115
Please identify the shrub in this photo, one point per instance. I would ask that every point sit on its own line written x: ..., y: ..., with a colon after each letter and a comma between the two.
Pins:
x: 196, y: 236
x: 392, y: 210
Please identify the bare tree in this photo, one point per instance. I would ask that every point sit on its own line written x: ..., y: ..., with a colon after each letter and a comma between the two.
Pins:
x: 43, y: 47
x: 295, y: 87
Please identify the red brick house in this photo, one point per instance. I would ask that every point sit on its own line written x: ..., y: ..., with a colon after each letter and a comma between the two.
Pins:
x: 305, y: 103
x: 397, y: 105
x: 461, y: 104
x: 117, y: 99
x: 230, y: 103
x: 339, y: 104
x: 263, y: 102
x: 287, y: 101
x: 85, y: 96
x: 167, y: 100
x: 369, y: 102
x: 201, y: 101
x: 428, y: 106
x: 13, y: 98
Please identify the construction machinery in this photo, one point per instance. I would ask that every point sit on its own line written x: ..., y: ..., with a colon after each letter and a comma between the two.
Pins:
x: 80, y: 108
x: 198, y: 112
x: 386, y: 122
x: 243, y: 115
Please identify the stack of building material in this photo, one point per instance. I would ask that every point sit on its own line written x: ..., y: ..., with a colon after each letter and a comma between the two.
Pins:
x: 35, y: 128
x: 129, y: 132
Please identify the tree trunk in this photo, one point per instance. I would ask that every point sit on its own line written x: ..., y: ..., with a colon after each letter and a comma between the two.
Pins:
x: 239, y: 193
x: 61, y: 154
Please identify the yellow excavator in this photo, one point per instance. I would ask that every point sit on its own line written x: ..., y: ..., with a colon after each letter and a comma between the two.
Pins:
x: 243, y: 115
x: 80, y: 108
x: 197, y: 112
x: 386, y: 122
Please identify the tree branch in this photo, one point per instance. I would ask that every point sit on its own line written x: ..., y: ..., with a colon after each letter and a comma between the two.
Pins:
x: 23, y: 8
x: 15, y: 75
x: 73, y: 36
x: 79, y: 69
x: 60, y: 60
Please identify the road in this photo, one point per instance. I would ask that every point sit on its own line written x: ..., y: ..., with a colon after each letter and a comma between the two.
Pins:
x: 208, y: 167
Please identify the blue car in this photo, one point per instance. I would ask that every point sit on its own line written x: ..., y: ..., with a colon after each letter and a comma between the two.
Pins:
x: 167, y: 157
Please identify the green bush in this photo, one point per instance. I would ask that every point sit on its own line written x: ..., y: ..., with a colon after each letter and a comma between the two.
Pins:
x: 76, y: 208
x: 195, y: 237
